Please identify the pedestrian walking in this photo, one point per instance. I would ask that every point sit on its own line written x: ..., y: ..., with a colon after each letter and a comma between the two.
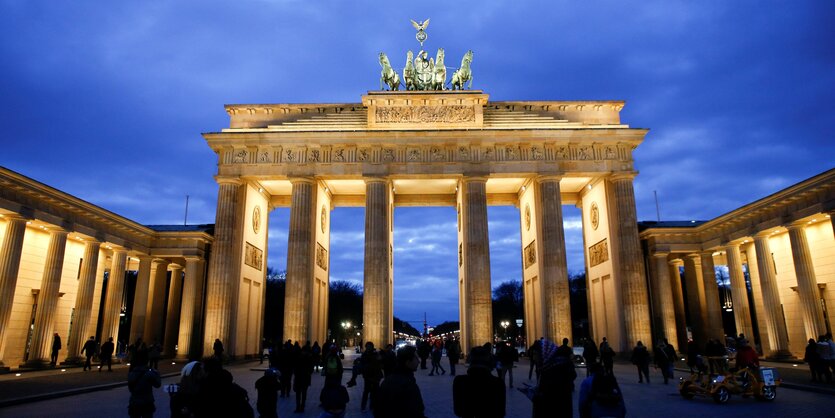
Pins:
x: 640, y: 358
x: 607, y: 356
x: 424, y: 349
x: 106, y: 355
x: 600, y: 395
x: 89, y: 350
x: 665, y: 359
x: 372, y: 374
x: 141, y: 384
x: 437, y: 354
x: 479, y: 394
x: 506, y: 355
x: 693, y: 354
x: 453, y: 353
x: 316, y: 354
x: 56, y: 347
x: 590, y: 354
x: 267, y: 387
x: 552, y: 396
x: 302, y: 371
x: 535, y: 356
x: 333, y: 365
x: 399, y: 395
x: 389, y: 359
x: 154, y: 354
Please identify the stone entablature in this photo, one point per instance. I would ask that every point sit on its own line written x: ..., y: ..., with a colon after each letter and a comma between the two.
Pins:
x: 34, y: 200
x: 798, y: 202
x: 425, y: 110
x: 586, y: 113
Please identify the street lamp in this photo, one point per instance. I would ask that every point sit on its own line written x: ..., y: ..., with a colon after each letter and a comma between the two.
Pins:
x: 345, y: 326
x: 504, y: 325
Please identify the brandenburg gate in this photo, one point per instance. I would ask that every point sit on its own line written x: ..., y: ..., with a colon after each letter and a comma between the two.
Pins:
x: 426, y: 148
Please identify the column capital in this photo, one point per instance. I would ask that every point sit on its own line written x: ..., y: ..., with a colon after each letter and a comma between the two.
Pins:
x: 728, y: 245
x: 624, y: 176
x: 660, y: 254
x: 549, y: 177
x: 707, y: 253
x: 474, y: 179
x: 374, y: 179
x: 221, y: 180
x: 797, y: 225
x: 193, y: 258
x: 675, y: 262
x: 175, y: 266
x: 15, y: 216
x: 302, y: 180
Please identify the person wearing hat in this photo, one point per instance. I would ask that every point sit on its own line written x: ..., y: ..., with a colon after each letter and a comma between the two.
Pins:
x: 478, y: 393
x: 552, y: 397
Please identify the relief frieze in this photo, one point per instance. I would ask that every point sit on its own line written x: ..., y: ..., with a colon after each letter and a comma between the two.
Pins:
x: 253, y: 256
x: 321, y: 257
x: 425, y: 114
x: 529, y: 254
x: 599, y: 253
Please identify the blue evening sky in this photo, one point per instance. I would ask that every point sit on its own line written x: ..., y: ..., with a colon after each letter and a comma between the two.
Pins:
x: 107, y: 100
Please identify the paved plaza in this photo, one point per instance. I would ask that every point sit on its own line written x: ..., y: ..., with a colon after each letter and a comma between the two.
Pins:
x: 655, y: 400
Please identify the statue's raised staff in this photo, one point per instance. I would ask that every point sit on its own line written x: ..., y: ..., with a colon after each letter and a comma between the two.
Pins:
x: 409, y: 73
x: 439, y: 73
x: 388, y: 76
x: 463, y: 74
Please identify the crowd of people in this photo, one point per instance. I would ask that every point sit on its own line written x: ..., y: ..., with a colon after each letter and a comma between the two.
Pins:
x: 820, y: 356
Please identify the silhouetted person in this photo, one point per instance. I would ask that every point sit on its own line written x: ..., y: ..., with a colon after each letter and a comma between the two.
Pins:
x: 600, y: 395
x: 89, y: 350
x: 478, y: 394
x: 590, y: 354
x: 302, y: 372
x: 141, y: 383
x: 106, y: 355
x: 217, y: 347
x: 607, y: 356
x: 399, y: 395
x: 665, y: 358
x: 154, y: 354
x: 423, y: 350
x: 507, y: 355
x: 334, y: 399
x: 453, y: 353
x: 267, y: 387
x: 372, y: 373
x: 535, y: 356
x: 552, y: 397
x: 56, y: 347
x: 640, y: 358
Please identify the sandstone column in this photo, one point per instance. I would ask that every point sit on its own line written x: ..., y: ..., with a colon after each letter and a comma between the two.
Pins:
x: 84, y: 301
x: 713, y: 309
x: 10, y: 252
x: 140, y: 300
x: 191, y: 309
x: 111, y: 317
x: 224, y: 266
x: 172, y: 318
x: 300, y: 260
x: 739, y: 292
x: 678, y: 302
x: 555, y: 295
x: 376, y: 307
x: 665, y: 298
x: 777, y: 333
x: 695, y: 297
x: 807, y: 284
x: 629, y: 270
x: 156, y: 303
x: 41, y: 347
x: 477, y: 262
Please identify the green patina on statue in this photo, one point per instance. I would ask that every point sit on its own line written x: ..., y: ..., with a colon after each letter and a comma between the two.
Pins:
x: 424, y: 73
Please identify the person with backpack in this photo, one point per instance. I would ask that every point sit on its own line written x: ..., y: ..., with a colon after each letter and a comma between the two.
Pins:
x: 552, y: 396
x: 372, y: 374
x: 333, y: 365
x: 141, y: 384
x: 600, y: 395
x: 665, y: 359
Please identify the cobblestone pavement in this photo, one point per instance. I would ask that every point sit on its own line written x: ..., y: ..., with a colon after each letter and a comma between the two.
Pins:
x: 655, y: 400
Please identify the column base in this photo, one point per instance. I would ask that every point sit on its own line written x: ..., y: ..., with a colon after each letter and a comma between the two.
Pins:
x: 73, y: 361
x: 5, y: 369
x: 38, y: 364
x: 782, y: 355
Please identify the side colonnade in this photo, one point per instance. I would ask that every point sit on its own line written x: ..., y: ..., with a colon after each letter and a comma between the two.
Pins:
x: 779, y: 290
x: 63, y: 269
